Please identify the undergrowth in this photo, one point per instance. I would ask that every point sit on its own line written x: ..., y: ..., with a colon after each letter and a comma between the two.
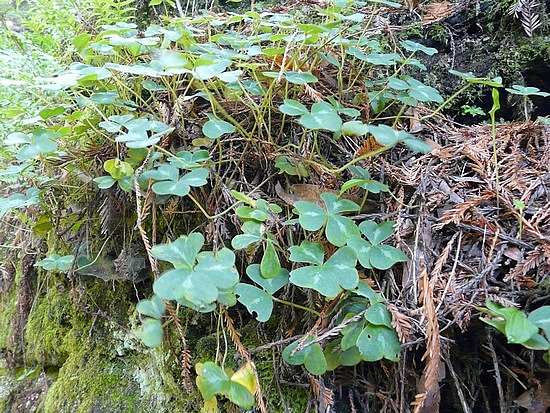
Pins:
x: 159, y: 153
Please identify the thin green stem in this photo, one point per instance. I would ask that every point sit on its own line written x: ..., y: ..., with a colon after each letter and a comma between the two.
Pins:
x: 301, y: 307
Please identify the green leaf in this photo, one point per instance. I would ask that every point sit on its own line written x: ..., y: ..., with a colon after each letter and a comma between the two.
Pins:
x: 377, y: 233
x: 383, y: 257
x: 340, y: 229
x: 211, y: 380
x: 104, y: 182
x: 50, y: 113
x: 416, y: 47
x: 240, y: 395
x: 182, y: 253
x: 518, y: 328
x: 271, y: 285
x: 293, y: 108
x: 541, y: 318
x: 386, y: 136
x: 150, y: 332
x: 300, y: 78
x: 328, y: 278
x: 354, y: 128
x: 323, y: 116
x: 309, y: 252
x: 118, y: 169
x: 174, y: 284
x: 363, y: 250
x: 378, y: 314
x: 377, y: 342
x: 312, y: 357
x: 311, y: 216
x: 55, y: 261
x: 536, y: 342
x: 332, y: 354
x: 270, y: 266
x: 526, y: 91
x: 215, y: 128
x: 315, y: 361
x: 337, y: 205
x: 219, y: 267
x: 351, y: 333
x: 153, y: 308
x: 206, y: 68
x: 255, y: 300
x: 417, y: 145
x: 17, y: 138
x: 244, y: 240
x: 246, y: 212
x: 424, y: 93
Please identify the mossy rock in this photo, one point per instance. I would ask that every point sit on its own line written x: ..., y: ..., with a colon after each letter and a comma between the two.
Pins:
x: 90, y: 382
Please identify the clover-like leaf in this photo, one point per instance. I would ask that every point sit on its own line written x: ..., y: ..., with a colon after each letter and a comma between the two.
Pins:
x: 255, y: 300
x: 271, y: 285
x: 153, y: 308
x: 310, y: 252
x: 385, y: 256
x: 377, y: 233
x: 387, y: 136
x: 377, y: 342
x: 150, y: 332
x: 518, y: 328
x: 182, y: 252
x: 293, y: 108
x: 211, y: 380
x: 311, y: 216
x: 219, y: 267
x: 541, y: 318
x: 244, y: 240
x: 328, y: 279
x: 378, y: 314
x: 56, y: 261
x: 322, y: 116
x: 311, y: 356
x: 215, y: 127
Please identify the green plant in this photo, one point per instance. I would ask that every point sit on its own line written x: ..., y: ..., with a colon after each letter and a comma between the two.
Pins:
x: 526, y: 92
x: 519, y: 328
x: 115, y: 96
x: 472, y: 110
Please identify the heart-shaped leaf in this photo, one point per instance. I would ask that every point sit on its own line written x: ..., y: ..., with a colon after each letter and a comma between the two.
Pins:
x: 182, y: 252
x: 377, y: 342
x: 153, y: 308
x: 150, y: 332
x: 377, y: 233
x: 255, y: 300
x: 271, y: 285
x: 211, y: 380
x: 311, y: 216
x: 328, y: 278
x: 310, y: 252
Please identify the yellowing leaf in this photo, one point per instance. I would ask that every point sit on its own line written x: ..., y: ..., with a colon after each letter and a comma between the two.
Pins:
x: 246, y: 377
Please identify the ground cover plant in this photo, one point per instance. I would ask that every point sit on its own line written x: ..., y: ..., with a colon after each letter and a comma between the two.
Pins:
x: 286, y: 184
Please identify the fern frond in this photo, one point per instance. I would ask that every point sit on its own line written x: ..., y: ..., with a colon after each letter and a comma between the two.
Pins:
x: 530, y: 20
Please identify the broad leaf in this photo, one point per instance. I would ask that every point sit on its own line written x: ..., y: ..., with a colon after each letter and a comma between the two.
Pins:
x: 211, y: 380
x: 150, y: 332
x: 377, y: 342
x: 311, y: 216
x: 255, y: 300
x: 310, y: 252
x: 153, y: 308
x: 182, y: 252
x: 271, y: 285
